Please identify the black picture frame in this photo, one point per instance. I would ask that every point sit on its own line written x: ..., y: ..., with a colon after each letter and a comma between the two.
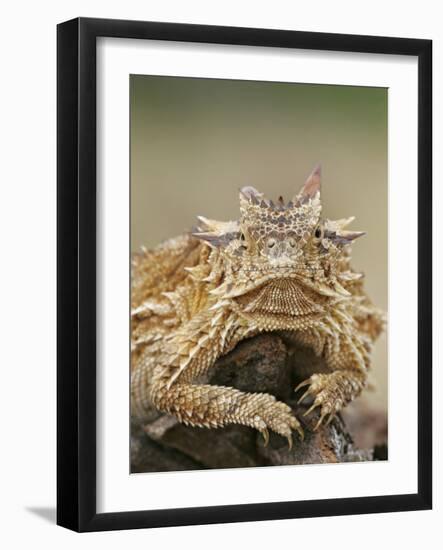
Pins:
x: 76, y: 280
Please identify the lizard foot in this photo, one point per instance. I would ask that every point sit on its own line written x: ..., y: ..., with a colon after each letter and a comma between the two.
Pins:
x: 278, y: 417
x: 331, y: 393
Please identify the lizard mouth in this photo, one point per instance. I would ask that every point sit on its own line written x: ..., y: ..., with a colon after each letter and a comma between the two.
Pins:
x: 281, y: 297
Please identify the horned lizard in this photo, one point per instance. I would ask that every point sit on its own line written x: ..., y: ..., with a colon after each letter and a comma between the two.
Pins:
x: 280, y: 267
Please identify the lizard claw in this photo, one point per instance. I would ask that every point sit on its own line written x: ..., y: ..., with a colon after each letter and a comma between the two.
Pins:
x: 302, y: 384
x: 319, y: 422
x: 307, y: 392
x: 265, y: 434
x: 300, y: 432
x: 289, y: 438
x: 330, y: 419
x: 311, y: 408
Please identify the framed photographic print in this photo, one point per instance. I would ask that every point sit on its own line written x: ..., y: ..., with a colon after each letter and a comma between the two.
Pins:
x: 244, y: 274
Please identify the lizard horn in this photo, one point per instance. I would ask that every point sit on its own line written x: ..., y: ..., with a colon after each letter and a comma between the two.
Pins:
x: 349, y: 236
x: 310, y: 188
x: 250, y: 194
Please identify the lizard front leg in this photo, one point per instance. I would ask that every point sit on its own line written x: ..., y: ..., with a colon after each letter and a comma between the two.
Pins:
x: 348, y: 359
x: 190, y: 355
x: 217, y: 406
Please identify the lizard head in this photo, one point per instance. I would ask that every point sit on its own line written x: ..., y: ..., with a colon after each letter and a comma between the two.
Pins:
x: 281, y: 262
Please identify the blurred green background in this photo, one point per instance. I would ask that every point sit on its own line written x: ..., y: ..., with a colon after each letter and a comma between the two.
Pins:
x: 195, y: 142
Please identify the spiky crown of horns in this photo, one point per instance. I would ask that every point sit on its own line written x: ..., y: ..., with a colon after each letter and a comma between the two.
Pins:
x: 263, y: 218
x: 295, y: 219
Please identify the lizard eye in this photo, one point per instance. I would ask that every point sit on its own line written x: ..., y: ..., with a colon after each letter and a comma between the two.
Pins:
x: 318, y: 233
x: 271, y: 243
x: 243, y: 246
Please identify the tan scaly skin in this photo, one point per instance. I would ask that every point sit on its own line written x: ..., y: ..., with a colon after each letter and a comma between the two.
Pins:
x: 280, y: 267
